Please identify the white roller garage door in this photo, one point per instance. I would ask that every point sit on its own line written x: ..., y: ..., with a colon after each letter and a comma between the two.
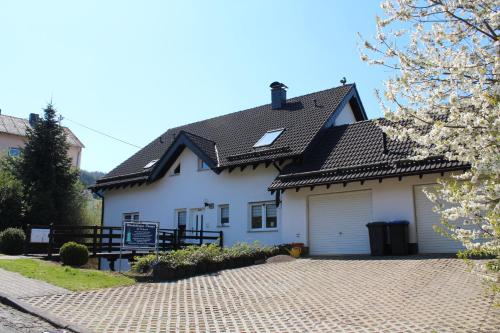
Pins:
x: 337, y: 223
x: 429, y: 241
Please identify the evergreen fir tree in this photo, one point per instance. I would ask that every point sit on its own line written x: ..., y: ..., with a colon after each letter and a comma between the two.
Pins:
x: 50, y: 184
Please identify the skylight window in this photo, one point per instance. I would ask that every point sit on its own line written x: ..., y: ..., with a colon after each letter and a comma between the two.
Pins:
x: 268, y: 138
x: 150, y: 164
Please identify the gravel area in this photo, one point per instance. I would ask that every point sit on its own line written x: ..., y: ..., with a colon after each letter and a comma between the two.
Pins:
x: 13, y: 320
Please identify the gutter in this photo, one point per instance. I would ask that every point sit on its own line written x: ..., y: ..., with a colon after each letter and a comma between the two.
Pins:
x: 353, y: 180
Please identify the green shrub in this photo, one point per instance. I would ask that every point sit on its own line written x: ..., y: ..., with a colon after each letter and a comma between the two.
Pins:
x: 12, y: 241
x: 74, y: 254
x: 143, y: 264
x: 198, y: 259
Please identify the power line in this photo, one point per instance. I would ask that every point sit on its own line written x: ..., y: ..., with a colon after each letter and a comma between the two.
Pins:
x: 102, y: 133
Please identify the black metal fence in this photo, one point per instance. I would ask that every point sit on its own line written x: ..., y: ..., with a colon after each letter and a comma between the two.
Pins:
x: 101, y: 239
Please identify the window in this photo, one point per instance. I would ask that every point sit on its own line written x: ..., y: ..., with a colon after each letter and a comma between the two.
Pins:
x: 202, y: 165
x: 256, y: 216
x: 263, y: 216
x: 131, y: 217
x: 271, y: 218
x: 224, y: 215
x: 150, y: 164
x: 181, y: 216
x: 14, y: 151
x: 268, y: 138
x: 177, y: 170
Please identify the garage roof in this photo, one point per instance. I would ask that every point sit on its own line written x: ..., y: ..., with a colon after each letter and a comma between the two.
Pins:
x: 358, y: 151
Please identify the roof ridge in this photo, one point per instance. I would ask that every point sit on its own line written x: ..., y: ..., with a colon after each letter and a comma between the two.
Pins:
x: 9, y: 116
x: 196, y: 135
x: 259, y: 106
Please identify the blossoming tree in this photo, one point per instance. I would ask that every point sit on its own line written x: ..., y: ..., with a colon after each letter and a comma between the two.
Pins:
x: 443, y: 94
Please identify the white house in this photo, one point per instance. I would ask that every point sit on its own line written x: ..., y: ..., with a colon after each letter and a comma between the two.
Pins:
x: 310, y: 169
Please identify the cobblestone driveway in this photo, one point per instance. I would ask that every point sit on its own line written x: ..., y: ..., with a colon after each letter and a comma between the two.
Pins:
x: 307, y: 295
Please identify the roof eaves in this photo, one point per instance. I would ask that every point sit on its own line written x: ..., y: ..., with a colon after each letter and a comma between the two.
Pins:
x: 181, y: 141
x: 322, y: 179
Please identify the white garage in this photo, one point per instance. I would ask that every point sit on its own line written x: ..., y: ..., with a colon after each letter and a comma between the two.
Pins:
x: 337, y: 223
x: 429, y: 241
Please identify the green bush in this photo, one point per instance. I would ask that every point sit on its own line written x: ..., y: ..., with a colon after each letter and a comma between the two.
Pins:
x: 12, y: 241
x: 143, y: 264
x: 197, y: 259
x: 74, y: 254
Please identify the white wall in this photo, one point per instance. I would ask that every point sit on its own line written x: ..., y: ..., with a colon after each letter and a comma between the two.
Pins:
x: 342, y: 117
x: 346, y: 116
x: 159, y: 200
x: 391, y: 200
x: 75, y: 153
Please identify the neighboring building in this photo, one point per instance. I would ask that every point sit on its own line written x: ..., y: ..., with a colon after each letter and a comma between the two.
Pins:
x: 310, y: 169
x: 13, y: 137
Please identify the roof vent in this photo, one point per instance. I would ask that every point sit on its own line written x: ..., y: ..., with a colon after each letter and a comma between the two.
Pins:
x: 278, y: 94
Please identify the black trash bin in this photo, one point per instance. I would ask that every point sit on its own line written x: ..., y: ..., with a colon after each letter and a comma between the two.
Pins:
x: 378, y: 238
x: 398, y: 235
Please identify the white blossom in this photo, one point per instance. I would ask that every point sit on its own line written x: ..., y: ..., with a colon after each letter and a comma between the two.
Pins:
x: 444, y: 55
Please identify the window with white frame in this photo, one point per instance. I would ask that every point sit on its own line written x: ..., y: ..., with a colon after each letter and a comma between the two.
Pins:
x: 202, y: 165
x: 223, y: 215
x: 14, y: 151
x: 263, y: 216
x: 131, y: 217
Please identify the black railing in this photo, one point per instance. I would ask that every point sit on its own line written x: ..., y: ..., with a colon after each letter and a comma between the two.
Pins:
x: 99, y: 239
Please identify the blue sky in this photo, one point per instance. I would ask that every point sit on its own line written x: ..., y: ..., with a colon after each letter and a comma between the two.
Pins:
x: 132, y: 69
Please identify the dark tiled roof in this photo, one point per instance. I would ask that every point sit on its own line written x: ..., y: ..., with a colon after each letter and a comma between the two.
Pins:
x: 355, y: 152
x: 207, y: 146
x: 17, y: 126
x: 235, y: 134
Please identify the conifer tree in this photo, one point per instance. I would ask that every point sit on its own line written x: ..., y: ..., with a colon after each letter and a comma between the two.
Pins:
x: 50, y: 184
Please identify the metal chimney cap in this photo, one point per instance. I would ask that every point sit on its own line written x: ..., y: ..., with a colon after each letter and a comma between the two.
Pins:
x: 277, y: 85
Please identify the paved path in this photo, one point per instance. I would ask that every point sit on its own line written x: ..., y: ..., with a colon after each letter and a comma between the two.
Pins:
x: 307, y: 295
x: 16, y: 285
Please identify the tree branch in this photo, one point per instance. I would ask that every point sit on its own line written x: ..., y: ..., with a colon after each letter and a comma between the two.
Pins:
x: 447, y: 11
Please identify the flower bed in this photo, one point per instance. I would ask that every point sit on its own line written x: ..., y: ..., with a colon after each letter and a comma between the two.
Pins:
x: 208, y: 258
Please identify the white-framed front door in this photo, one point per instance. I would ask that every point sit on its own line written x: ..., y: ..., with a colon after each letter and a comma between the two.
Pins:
x: 196, y: 219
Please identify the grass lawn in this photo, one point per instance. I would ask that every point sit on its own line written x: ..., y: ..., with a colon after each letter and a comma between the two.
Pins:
x: 74, y: 279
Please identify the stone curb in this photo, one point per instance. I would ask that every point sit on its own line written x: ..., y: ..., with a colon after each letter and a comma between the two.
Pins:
x: 45, y: 315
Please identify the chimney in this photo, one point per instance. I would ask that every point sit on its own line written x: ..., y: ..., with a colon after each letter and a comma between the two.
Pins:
x: 33, y: 119
x: 278, y: 95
